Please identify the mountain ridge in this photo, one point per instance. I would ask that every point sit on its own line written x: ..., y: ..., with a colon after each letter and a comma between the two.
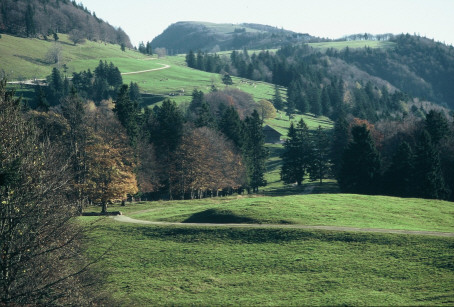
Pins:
x: 182, y: 36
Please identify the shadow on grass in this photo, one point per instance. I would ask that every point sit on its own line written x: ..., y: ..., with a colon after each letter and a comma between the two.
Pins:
x: 221, y: 216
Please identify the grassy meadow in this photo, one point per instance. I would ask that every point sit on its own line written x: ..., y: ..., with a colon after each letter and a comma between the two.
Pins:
x: 177, y: 265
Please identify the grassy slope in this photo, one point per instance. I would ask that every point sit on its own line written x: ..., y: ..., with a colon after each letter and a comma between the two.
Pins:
x: 149, y: 265
x: 353, y: 44
x: 24, y: 58
x: 316, y: 209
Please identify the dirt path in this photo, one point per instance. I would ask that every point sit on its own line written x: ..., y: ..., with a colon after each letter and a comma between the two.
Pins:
x: 148, y: 70
x: 126, y: 219
x: 42, y: 81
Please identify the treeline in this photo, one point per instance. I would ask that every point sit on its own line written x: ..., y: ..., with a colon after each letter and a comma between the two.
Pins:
x: 101, y: 84
x: 311, y: 84
x: 410, y: 158
x: 33, y: 18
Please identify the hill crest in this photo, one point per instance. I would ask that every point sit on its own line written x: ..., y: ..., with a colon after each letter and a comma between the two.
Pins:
x: 183, y: 36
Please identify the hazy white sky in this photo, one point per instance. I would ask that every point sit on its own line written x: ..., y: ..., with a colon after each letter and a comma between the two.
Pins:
x: 145, y: 19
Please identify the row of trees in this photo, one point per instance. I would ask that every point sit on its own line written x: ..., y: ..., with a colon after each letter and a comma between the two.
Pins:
x: 417, y: 161
x: 102, y: 84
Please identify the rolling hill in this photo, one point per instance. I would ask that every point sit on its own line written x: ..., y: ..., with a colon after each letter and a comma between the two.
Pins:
x: 183, y: 36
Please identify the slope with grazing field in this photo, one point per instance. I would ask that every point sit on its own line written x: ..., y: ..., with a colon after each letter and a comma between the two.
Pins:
x: 175, y: 265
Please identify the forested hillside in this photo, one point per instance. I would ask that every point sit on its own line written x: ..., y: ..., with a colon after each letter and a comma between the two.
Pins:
x: 46, y: 18
x: 184, y: 36
x: 372, y: 83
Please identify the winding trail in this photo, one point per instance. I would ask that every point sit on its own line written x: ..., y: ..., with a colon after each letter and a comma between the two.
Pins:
x: 148, y: 70
x: 42, y: 81
x: 126, y: 219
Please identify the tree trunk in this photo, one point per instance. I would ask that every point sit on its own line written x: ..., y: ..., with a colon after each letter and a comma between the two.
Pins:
x: 104, y: 207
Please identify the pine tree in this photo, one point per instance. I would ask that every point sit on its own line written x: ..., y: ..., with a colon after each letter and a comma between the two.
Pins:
x: 255, y: 152
x: 277, y: 98
x: 360, y: 168
x: 437, y: 126
x: 326, y: 102
x: 30, y: 27
x: 127, y: 112
x: 204, y: 116
x: 190, y: 59
x: 232, y: 126
x: 339, y: 143
x: 296, y: 155
x: 398, y: 180
x: 314, y: 101
x: 320, y: 163
x: 428, y: 175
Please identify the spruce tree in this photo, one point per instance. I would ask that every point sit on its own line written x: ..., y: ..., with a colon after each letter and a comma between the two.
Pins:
x: 296, y: 155
x: 319, y: 166
x: 190, y: 59
x: 127, y: 112
x: 428, y: 175
x: 398, y: 180
x: 232, y: 126
x: 254, y: 151
x: 277, y: 98
x: 360, y: 168
x: 437, y: 126
x: 339, y: 143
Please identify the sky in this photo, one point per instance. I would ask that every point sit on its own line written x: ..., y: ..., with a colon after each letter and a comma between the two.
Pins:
x: 143, y: 20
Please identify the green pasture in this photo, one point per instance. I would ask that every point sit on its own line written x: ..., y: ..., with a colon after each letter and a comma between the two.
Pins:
x: 24, y: 58
x: 349, y: 210
x: 354, y: 44
x: 148, y: 265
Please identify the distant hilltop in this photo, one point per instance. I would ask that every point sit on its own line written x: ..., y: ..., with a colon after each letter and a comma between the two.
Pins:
x: 183, y: 36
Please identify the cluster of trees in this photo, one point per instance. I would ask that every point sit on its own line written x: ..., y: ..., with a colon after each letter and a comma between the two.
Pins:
x: 32, y: 18
x: 311, y: 84
x: 411, y: 158
x: 216, y: 146
x: 102, y: 84
x: 305, y: 154
x: 207, y: 151
x: 145, y: 48
x: 402, y: 66
x: 41, y: 260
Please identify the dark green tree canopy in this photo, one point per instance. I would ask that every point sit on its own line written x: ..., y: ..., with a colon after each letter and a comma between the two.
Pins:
x: 360, y: 168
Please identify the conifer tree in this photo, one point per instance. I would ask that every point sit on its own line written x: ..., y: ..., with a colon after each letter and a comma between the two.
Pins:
x: 339, y: 143
x: 296, y: 155
x: 398, y: 179
x: 255, y: 152
x: 127, y: 112
x: 190, y: 59
x: 360, y: 168
x: 277, y: 98
x: 428, y: 175
x: 320, y: 164
x: 437, y: 126
x: 232, y: 126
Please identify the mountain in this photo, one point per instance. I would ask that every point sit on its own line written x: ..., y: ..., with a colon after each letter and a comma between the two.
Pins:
x: 183, y: 36
x: 43, y: 18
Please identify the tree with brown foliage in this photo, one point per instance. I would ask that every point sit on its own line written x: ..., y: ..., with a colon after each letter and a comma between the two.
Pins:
x: 110, y: 160
x: 41, y: 262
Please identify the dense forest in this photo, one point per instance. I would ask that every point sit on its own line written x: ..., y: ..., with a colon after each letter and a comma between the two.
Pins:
x: 46, y: 18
